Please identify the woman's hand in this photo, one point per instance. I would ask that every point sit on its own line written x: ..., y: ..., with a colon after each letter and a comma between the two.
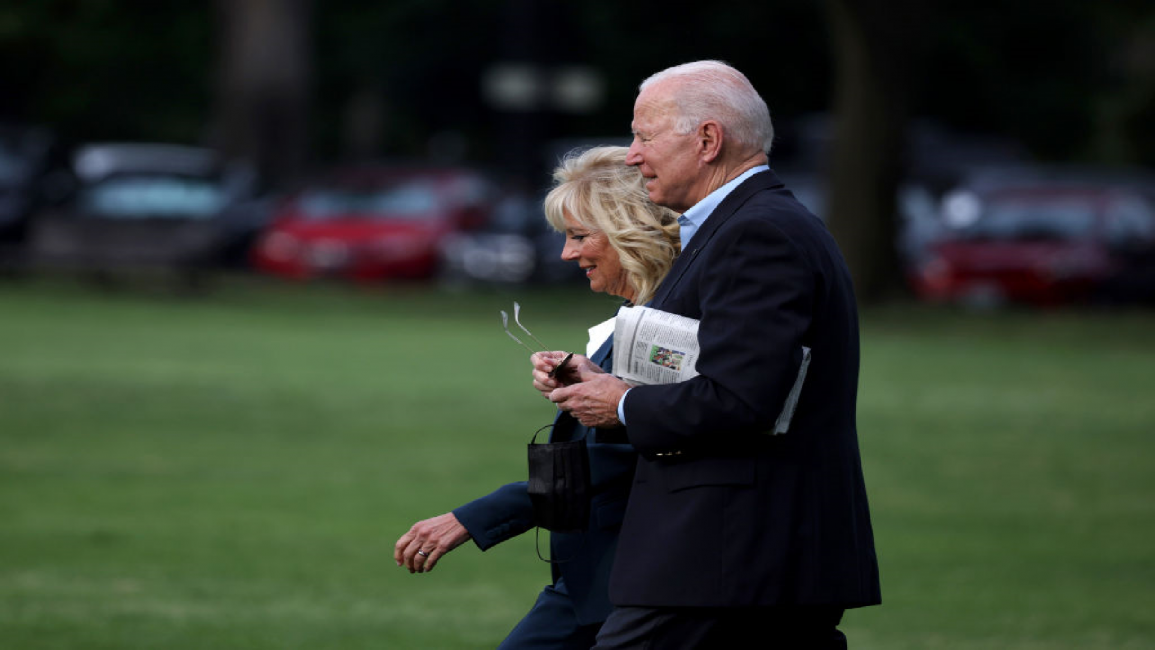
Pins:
x: 545, y: 362
x: 425, y: 543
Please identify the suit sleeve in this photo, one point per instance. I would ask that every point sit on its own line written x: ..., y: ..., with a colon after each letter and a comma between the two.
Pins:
x: 503, y: 514
x: 756, y: 296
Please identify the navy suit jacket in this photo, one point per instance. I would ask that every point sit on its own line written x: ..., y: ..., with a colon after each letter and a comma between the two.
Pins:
x: 721, y: 513
x: 588, y: 556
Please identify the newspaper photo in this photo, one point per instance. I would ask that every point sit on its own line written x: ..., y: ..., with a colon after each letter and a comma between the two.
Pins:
x: 654, y: 347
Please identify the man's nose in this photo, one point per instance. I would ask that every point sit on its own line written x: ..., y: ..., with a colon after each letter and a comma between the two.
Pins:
x: 634, y: 155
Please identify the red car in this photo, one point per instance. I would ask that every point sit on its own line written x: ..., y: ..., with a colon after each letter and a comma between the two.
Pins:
x: 370, y: 223
x: 1040, y: 244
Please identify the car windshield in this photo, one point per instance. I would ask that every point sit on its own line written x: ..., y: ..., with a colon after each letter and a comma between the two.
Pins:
x: 404, y: 201
x: 13, y: 167
x: 134, y: 197
x: 1056, y: 219
x: 10, y: 165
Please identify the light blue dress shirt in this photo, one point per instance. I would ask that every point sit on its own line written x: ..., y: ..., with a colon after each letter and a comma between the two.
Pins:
x: 690, y: 222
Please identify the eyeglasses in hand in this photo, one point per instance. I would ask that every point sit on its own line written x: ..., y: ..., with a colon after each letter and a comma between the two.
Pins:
x: 517, y: 319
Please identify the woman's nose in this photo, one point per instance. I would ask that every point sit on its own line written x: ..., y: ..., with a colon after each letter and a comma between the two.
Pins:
x: 570, y: 251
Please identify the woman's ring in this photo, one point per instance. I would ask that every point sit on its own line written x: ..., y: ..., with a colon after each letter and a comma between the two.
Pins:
x: 422, y: 553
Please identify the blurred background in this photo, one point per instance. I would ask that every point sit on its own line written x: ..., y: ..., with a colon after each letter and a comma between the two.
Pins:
x: 958, y: 155
x: 252, y: 255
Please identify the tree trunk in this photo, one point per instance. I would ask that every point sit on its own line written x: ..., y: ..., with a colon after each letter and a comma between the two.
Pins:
x: 870, y: 40
x: 263, y: 85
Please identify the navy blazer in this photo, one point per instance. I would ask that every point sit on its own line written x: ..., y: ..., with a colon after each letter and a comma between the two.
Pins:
x: 721, y: 513
x: 587, y: 556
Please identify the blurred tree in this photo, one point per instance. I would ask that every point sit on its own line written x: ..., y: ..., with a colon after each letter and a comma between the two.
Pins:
x: 874, y: 42
x: 1045, y: 71
x: 1071, y: 80
x: 1125, y: 132
x: 103, y: 70
x: 425, y: 62
x: 1036, y: 70
x: 263, y: 85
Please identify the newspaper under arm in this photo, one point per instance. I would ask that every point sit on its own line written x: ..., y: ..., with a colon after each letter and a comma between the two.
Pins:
x: 656, y: 347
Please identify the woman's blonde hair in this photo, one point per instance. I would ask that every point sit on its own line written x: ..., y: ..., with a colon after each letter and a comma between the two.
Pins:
x: 602, y: 193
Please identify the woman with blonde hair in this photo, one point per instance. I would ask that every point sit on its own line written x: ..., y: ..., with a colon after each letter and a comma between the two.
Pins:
x: 626, y: 244
x: 598, y: 201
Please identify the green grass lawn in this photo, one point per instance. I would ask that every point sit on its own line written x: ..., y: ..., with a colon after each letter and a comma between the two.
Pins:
x: 231, y: 470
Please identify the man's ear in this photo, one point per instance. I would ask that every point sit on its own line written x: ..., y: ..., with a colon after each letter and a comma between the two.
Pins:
x: 710, y: 137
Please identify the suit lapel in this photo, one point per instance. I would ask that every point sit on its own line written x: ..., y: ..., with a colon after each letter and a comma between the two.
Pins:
x: 761, y: 181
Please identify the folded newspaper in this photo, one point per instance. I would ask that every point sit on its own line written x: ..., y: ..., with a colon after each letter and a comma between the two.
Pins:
x: 656, y: 347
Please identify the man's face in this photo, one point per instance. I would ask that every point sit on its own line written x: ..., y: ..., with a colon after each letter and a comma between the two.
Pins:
x: 667, y: 159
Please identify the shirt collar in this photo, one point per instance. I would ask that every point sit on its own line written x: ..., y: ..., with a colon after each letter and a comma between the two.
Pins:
x: 692, y: 219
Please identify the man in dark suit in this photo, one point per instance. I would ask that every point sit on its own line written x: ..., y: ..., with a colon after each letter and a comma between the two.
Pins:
x: 733, y: 532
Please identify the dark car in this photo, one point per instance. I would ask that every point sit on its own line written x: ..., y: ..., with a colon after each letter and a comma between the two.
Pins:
x: 148, y: 206
x: 31, y: 174
x: 373, y: 222
x: 517, y: 246
x: 1040, y: 243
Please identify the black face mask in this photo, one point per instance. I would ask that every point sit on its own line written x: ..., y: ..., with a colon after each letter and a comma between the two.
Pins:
x: 559, y: 484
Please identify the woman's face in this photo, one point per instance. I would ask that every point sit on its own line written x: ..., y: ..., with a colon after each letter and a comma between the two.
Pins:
x: 592, y: 251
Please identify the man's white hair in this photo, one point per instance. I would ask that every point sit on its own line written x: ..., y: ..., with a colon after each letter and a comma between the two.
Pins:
x: 714, y: 90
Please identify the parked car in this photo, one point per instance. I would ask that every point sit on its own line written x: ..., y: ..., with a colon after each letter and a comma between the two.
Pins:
x: 517, y: 246
x: 373, y: 222
x: 1040, y: 242
x: 142, y: 206
x: 30, y: 175
x: 916, y: 213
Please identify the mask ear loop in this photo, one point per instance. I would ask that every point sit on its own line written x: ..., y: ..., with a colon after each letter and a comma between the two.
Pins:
x: 537, y: 546
x: 533, y: 440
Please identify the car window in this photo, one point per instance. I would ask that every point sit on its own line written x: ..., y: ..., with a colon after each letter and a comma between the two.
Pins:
x: 1129, y: 222
x: 1053, y: 219
x: 11, y: 166
x: 21, y: 153
x: 15, y: 167
x: 134, y: 197
x: 812, y: 196
x: 471, y: 191
x: 402, y: 201
x: 517, y: 213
